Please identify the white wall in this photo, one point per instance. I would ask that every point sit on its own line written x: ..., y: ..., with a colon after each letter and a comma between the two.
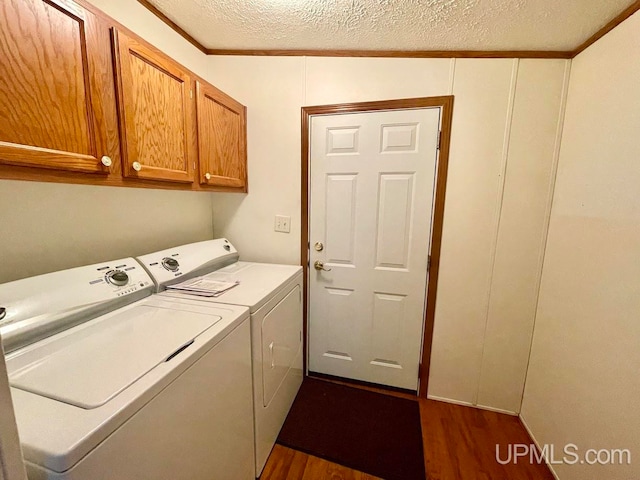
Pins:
x: 50, y: 226
x: 46, y: 227
x: 583, y: 385
x: 505, y: 126
x: 531, y: 156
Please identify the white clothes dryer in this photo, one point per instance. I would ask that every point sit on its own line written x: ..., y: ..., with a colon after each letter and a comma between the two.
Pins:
x: 111, y: 383
x: 273, y: 294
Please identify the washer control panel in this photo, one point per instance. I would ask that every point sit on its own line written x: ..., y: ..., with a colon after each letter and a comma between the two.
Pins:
x: 121, y: 278
x: 50, y: 296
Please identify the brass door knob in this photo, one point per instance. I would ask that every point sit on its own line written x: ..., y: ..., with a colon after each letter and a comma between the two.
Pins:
x: 318, y: 265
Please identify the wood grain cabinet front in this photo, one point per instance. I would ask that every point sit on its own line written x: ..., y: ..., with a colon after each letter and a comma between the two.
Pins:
x: 156, y: 113
x: 57, y: 101
x: 222, y: 139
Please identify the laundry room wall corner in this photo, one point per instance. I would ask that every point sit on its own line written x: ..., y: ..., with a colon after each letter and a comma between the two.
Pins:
x: 273, y: 90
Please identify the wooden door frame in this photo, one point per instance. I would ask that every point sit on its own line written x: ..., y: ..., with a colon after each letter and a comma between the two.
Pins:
x: 446, y: 105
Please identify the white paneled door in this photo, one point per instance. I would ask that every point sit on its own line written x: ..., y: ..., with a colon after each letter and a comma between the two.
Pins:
x: 372, y: 181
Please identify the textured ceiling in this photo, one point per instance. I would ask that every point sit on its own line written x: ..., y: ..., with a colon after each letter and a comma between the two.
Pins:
x: 392, y: 24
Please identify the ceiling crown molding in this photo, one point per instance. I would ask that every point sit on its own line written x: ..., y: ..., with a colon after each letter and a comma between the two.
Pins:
x: 179, y: 30
x: 398, y: 53
x: 626, y: 13
x: 401, y: 53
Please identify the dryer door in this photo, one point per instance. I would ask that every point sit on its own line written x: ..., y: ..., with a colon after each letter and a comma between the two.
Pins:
x: 281, y: 341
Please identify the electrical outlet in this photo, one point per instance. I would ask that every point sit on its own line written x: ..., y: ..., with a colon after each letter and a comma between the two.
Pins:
x: 282, y: 224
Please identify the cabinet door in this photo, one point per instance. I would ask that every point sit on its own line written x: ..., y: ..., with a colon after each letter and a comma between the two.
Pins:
x: 156, y: 113
x: 57, y: 105
x: 222, y: 139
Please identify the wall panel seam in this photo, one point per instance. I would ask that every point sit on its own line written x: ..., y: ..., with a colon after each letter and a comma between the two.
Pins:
x: 498, y: 213
x: 549, y: 207
x: 452, y: 75
x: 304, y: 80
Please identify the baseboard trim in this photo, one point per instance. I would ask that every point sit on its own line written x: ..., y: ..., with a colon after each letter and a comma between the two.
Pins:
x: 537, y: 444
x: 498, y: 410
x: 469, y: 404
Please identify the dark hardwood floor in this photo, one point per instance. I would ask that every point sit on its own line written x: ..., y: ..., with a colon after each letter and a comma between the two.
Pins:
x: 459, y: 444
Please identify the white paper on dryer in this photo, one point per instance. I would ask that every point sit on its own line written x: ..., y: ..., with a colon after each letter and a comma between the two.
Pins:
x: 204, y: 287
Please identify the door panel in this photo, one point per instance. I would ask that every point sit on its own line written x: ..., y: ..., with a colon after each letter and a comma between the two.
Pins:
x: 338, y: 330
x: 221, y: 138
x: 394, y: 220
x: 56, y: 88
x: 340, y: 234
x: 156, y: 113
x: 154, y: 93
x: 389, y: 320
x: 372, y: 190
x: 342, y: 140
x: 399, y: 138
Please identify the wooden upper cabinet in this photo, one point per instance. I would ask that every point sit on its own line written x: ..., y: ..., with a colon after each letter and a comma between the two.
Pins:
x: 222, y: 139
x: 57, y: 102
x: 156, y: 113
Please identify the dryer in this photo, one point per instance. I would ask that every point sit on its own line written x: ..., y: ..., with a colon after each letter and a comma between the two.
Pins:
x: 273, y: 294
x: 110, y: 382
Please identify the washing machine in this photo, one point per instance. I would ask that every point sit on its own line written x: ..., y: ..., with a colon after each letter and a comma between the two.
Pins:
x: 273, y: 294
x: 110, y: 382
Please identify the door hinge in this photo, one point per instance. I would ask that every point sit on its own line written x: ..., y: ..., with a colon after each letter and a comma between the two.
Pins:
x: 428, y: 263
x: 439, y: 139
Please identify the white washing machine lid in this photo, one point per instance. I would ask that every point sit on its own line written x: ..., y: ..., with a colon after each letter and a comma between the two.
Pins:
x: 258, y: 283
x: 90, y: 367
x: 56, y: 434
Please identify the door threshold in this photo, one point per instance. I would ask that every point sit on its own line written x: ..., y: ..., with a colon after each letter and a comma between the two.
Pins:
x: 375, y: 387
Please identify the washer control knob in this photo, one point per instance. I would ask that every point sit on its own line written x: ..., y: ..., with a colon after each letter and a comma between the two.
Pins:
x: 170, y: 264
x: 137, y: 166
x: 117, y: 278
x: 207, y: 176
x: 106, y: 161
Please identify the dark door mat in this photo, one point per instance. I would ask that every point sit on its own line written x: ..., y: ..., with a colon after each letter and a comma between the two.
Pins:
x: 367, y: 431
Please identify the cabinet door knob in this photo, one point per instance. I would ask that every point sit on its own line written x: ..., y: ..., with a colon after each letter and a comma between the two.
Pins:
x: 136, y: 166
x: 106, y: 161
x: 207, y: 176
